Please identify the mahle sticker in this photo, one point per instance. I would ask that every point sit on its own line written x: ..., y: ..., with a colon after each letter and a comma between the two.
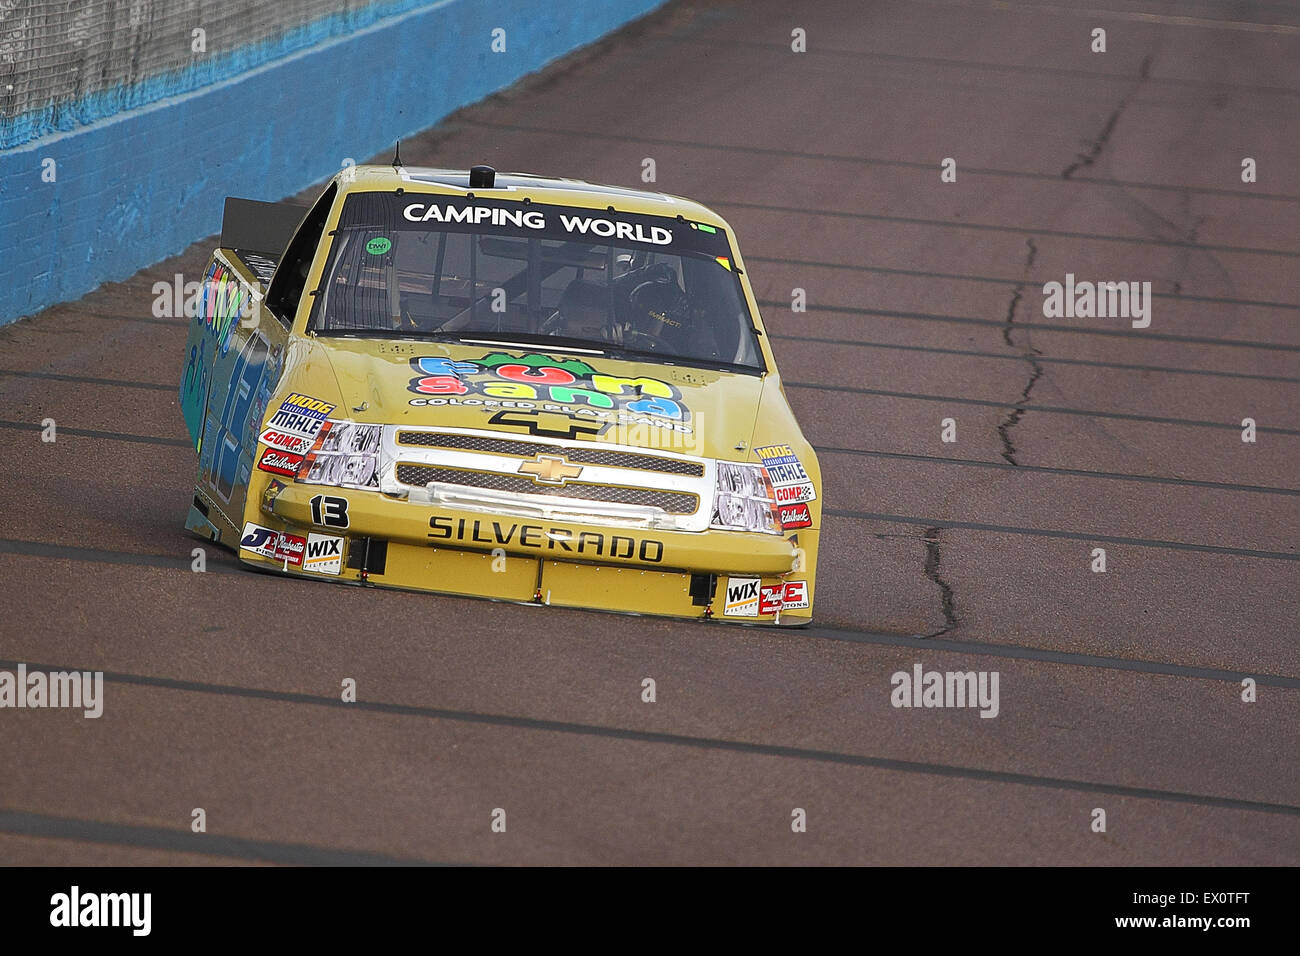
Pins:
x: 377, y: 247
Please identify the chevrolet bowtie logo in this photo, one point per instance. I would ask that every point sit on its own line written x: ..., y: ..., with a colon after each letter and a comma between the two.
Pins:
x: 552, y: 471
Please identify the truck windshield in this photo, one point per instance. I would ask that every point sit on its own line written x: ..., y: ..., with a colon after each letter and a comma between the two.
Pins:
x: 423, y: 265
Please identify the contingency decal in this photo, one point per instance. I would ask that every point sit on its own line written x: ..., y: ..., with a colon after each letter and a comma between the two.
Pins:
x: 290, y: 548
x: 285, y: 441
x: 321, y: 553
x: 521, y: 388
x: 259, y: 540
x: 300, y: 416
x: 794, y: 516
x: 783, y: 597
x: 790, y: 482
x: 270, y: 494
x: 279, y: 462
x: 324, y: 554
x: 742, y: 597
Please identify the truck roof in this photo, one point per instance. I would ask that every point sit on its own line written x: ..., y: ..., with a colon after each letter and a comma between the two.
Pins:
x: 541, y: 189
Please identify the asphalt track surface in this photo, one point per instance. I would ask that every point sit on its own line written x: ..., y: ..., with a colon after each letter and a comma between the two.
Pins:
x: 1119, y: 690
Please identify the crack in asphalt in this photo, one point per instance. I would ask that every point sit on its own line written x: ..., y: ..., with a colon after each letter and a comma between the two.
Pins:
x: 1102, y: 138
x: 945, y: 590
x: 1028, y: 353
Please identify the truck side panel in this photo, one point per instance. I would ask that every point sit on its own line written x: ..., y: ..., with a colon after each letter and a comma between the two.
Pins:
x: 234, y: 360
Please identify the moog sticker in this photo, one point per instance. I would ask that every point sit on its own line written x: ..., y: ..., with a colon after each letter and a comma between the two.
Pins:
x: 790, y: 482
x: 300, y: 416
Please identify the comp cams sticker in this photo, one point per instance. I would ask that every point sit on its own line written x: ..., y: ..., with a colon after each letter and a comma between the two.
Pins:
x: 285, y: 442
x: 790, y: 482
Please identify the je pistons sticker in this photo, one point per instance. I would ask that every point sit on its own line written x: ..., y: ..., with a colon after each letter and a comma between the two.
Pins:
x: 790, y: 482
x: 259, y: 540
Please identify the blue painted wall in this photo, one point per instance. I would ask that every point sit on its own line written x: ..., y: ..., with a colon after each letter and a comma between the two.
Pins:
x: 142, y: 185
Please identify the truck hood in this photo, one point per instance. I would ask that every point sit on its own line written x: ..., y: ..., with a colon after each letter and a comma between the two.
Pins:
x: 528, y: 391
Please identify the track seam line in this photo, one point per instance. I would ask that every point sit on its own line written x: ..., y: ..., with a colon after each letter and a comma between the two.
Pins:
x: 1047, y: 469
x: 865, y: 161
x: 1065, y: 535
x: 1045, y: 326
x: 751, y: 748
x: 92, y: 433
x: 49, y: 826
x: 1045, y: 359
x: 1044, y: 655
x: 1013, y: 68
x: 1046, y: 409
x: 995, y: 227
x: 995, y: 280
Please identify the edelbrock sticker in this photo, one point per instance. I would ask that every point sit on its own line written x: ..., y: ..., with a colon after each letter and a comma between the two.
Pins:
x: 279, y: 462
x: 794, y: 516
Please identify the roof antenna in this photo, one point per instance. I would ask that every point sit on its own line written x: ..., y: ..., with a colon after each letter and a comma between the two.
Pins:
x: 397, y: 154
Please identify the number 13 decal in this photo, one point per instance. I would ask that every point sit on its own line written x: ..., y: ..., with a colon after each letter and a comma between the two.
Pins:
x: 329, y: 511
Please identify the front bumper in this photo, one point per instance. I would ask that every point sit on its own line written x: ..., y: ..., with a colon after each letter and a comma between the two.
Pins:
x: 393, y: 542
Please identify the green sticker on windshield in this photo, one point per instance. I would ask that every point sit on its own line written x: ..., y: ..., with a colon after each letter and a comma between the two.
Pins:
x: 377, y: 247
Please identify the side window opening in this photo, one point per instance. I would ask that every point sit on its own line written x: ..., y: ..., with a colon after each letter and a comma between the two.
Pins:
x: 290, y: 280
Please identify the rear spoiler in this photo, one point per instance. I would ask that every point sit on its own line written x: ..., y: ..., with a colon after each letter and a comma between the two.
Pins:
x: 261, y: 227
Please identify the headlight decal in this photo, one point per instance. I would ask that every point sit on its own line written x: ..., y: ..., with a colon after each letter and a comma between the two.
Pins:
x: 744, y: 500
x: 345, y: 454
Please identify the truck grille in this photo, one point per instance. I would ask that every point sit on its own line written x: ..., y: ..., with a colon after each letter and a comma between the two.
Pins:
x: 672, y: 502
x: 528, y: 449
